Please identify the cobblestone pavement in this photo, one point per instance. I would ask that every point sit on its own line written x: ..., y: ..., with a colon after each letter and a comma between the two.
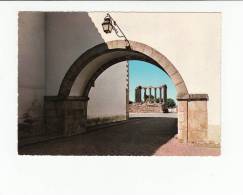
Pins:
x: 138, y: 136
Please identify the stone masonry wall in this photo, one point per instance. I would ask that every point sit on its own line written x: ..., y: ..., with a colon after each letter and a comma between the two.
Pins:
x: 145, y: 107
x: 193, y: 119
x: 65, y: 117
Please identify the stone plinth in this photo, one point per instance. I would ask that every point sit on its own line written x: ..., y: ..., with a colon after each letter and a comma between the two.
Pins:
x: 198, y: 121
x: 192, y: 118
x: 65, y: 116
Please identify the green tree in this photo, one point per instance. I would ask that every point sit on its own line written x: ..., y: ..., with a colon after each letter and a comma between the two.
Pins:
x: 170, y: 103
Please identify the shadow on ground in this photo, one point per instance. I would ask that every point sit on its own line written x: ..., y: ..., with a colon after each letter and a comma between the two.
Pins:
x: 137, y: 136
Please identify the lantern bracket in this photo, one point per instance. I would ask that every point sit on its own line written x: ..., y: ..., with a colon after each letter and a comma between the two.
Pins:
x: 118, y: 30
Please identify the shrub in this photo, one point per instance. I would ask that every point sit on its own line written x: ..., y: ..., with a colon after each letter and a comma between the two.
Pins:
x: 170, y: 103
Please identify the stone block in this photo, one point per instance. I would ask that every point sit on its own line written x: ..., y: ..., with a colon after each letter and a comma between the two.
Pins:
x: 110, y: 45
x: 121, y: 44
x: 197, y: 121
x: 198, y: 106
x: 182, y: 106
x: 181, y: 89
x: 176, y: 78
x: 54, y: 125
x: 68, y: 116
x: 182, y: 120
x: 162, y: 61
x: 197, y: 137
x: 148, y: 51
x: 156, y: 55
x: 136, y: 46
x: 49, y: 105
x: 51, y: 113
x: 170, y: 69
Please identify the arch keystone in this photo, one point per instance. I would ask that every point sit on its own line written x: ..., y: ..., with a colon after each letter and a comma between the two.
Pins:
x: 121, y: 44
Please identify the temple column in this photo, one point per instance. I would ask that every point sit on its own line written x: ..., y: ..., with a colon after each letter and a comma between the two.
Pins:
x: 144, y: 95
x: 164, y: 93
x: 150, y: 94
x: 160, y: 94
x: 164, y: 106
x: 138, y: 94
x: 155, y: 94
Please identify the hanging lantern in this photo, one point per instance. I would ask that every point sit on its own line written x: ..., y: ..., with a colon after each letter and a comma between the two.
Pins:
x: 107, y: 25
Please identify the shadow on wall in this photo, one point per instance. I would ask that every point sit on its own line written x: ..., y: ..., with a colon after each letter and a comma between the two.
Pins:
x: 69, y: 34
x: 48, y: 44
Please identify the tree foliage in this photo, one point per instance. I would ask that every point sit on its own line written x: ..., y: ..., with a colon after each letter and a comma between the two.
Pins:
x: 170, y: 103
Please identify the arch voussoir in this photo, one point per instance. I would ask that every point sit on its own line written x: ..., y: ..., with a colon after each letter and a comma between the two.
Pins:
x: 136, y: 46
x: 176, y: 78
x: 147, y: 50
x: 181, y: 89
x: 155, y: 55
x: 121, y: 44
x: 170, y: 69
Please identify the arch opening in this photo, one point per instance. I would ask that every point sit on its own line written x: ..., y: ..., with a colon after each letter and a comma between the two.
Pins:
x: 71, y: 102
x: 105, y: 110
x: 94, y: 61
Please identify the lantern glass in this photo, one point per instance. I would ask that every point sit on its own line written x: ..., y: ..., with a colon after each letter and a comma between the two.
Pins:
x: 107, y: 25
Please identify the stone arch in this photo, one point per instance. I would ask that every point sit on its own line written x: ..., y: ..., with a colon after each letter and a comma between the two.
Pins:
x: 66, y: 114
x: 118, y: 51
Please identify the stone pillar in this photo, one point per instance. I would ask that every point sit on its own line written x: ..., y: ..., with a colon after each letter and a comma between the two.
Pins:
x: 149, y: 94
x: 138, y: 94
x: 65, y: 116
x: 160, y: 94
x: 193, y: 118
x: 164, y: 106
x: 144, y: 95
x: 155, y: 94
x: 164, y: 93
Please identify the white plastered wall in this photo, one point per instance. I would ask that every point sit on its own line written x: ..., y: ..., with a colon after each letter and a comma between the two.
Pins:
x: 31, y: 64
x: 108, y: 97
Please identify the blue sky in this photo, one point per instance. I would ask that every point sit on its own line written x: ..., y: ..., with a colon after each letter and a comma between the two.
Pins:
x: 146, y: 74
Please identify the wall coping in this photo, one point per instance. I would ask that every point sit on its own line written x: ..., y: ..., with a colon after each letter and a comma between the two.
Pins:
x: 193, y: 97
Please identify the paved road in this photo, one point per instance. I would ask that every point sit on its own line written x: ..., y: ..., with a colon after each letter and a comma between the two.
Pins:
x: 168, y: 115
x: 138, y: 136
